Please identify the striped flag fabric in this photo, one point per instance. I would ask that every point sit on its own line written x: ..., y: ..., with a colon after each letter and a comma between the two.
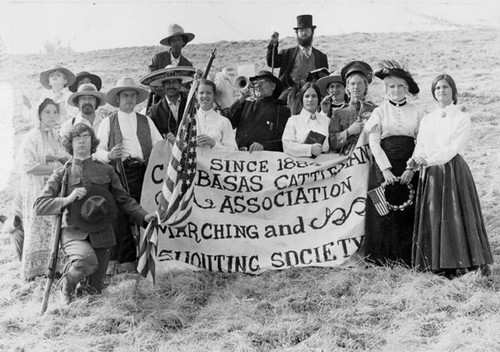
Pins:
x: 176, y: 200
x: 147, y: 251
x: 377, y: 195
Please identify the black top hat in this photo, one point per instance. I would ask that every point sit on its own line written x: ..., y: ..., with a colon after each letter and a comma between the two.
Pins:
x: 95, y: 211
x: 94, y: 79
x: 304, y: 21
x: 357, y: 67
x: 268, y: 75
x: 393, y: 68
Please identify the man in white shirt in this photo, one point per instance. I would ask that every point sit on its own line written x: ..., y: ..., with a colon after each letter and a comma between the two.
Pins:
x: 86, y: 99
x: 127, y: 137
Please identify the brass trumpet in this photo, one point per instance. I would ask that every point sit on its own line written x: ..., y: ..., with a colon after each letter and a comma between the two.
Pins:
x: 245, y: 87
x: 242, y: 83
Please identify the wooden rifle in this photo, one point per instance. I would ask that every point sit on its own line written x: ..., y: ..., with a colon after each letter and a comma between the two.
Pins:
x: 51, y: 272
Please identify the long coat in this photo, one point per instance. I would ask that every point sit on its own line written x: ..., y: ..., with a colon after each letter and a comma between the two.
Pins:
x: 285, y: 60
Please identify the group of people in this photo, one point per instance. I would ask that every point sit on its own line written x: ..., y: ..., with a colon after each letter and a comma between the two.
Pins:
x: 91, y: 169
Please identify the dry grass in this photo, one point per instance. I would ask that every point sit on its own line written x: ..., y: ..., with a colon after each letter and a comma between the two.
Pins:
x: 351, y: 308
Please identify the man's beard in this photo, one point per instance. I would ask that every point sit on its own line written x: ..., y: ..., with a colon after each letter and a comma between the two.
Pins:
x: 306, y: 42
x: 87, y: 109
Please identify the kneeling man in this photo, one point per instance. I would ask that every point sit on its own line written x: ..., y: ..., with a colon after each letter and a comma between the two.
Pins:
x: 89, y: 205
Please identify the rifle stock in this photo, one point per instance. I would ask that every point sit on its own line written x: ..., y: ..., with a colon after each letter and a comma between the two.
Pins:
x: 51, y: 272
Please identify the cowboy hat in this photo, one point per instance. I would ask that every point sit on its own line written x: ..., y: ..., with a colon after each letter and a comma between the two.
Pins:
x: 393, y: 68
x: 156, y: 78
x: 94, y: 79
x: 357, y: 67
x: 44, y: 76
x: 95, y: 211
x: 126, y: 83
x: 87, y: 89
x: 304, y: 21
x: 269, y: 76
x: 175, y: 30
x: 324, y: 82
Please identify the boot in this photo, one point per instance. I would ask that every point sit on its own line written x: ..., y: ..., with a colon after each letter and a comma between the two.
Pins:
x: 67, y: 290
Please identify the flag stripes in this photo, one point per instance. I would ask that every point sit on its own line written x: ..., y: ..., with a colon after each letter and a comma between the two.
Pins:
x: 377, y: 195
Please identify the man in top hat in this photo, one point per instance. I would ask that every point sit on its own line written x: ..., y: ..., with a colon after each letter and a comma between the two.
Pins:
x: 333, y: 89
x: 260, y: 123
x: 347, y: 123
x: 85, y: 77
x: 129, y: 137
x: 166, y: 114
x: 86, y: 99
x: 89, y: 205
x: 296, y: 63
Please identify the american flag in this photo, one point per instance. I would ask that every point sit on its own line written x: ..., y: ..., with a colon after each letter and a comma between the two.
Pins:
x: 178, y: 188
x: 147, y: 251
x: 377, y: 196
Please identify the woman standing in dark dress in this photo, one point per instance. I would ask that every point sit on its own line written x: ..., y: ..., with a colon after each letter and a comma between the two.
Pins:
x: 449, y: 235
x: 392, y: 129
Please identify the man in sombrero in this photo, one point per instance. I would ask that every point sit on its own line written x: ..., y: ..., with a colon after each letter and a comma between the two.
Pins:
x: 127, y: 136
x: 167, y: 113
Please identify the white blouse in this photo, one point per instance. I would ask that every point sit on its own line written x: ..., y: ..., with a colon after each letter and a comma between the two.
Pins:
x: 297, y: 129
x: 443, y: 134
x: 389, y: 120
x: 218, y: 128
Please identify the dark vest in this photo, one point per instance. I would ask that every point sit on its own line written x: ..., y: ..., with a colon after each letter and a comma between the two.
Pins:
x: 143, y: 134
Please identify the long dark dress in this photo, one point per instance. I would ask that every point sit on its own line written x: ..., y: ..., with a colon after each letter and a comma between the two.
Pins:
x: 449, y: 227
x: 388, y: 238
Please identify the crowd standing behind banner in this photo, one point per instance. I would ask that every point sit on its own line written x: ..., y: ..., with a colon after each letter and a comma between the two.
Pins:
x: 263, y: 122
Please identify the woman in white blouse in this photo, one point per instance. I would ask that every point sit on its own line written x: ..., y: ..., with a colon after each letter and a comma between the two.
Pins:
x: 392, y: 129
x: 213, y: 130
x: 449, y: 237
x: 306, y: 134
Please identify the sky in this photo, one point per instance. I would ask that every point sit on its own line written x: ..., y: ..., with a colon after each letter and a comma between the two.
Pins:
x: 83, y: 25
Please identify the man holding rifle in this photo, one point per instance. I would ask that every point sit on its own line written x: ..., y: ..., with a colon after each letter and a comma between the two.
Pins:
x: 126, y: 140
x: 88, y: 205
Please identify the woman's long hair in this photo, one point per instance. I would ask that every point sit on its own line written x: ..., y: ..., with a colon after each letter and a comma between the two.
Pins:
x: 450, y: 81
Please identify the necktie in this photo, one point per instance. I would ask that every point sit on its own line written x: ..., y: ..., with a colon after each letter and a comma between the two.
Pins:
x: 307, y: 52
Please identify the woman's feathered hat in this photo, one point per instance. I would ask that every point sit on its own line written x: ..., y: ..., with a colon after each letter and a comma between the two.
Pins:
x: 393, y: 68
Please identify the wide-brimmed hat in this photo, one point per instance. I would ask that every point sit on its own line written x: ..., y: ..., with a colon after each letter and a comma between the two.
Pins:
x: 95, y: 211
x: 176, y: 30
x: 44, y: 76
x: 268, y: 75
x: 94, y: 79
x: 87, y: 89
x: 304, y: 21
x: 126, y: 83
x: 324, y: 82
x: 357, y: 67
x: 156, y: 78
x: 394, y: 69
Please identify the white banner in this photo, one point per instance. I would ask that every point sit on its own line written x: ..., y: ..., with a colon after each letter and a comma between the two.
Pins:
x: 265, y: 210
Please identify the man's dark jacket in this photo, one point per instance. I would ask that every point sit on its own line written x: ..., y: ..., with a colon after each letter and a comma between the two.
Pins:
x: 163, y: 118
x: 285, y: 60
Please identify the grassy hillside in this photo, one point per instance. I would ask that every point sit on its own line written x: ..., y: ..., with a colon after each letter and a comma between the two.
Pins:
x: 351, y: 308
